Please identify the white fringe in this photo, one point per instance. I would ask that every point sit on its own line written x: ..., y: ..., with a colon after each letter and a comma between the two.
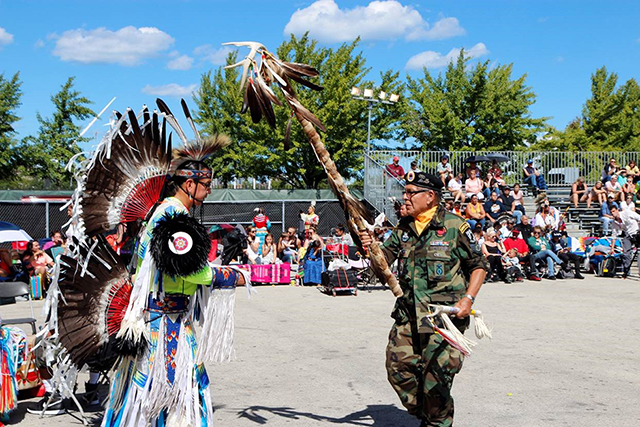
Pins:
x: 133, y: 324
x: 217, y: 338
x: 481, y: 328
x: 157, y: 391
x: 456, y: 335
x: 185, y: 407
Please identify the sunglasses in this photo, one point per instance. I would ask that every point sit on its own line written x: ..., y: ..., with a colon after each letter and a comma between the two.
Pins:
x: 410, y: 194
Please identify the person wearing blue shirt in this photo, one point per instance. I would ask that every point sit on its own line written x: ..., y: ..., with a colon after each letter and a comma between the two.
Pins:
x: 605, y: 214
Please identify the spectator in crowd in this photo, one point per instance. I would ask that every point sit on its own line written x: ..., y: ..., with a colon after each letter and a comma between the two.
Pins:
x: 524, y: 228
x: 609, y: 169
x: 455, y: 188
x: 531, y: 174
x: 622, y: 177
x: 547, y: 218
x: 56, y: 240
x: 473, y: 167
x: 541, y: 249
x: 605, y: 214
x: 518, y: 197
x: 613, y: 187
x: 444, y: 170
x: 269, y: 250
x: 312, y: 261
x: 118, y: 239
x: 493, y: 249
x: 394, y: 169
x: 493, y: 208
x: 473, y: 185
x: 253, y: 244
x: 497, y: 173
x: 580, y: 192
x: 560, y: 248
x: 262, y: 225
x: 474, y: 213
x: 414, y: 166
x: 311, y: 220
x: 510, y: 203
x: 511, y: 264
x: 36, y: 261
x: 288, y: 246
x: 478, y: 233
x: 457, y: 209
x: 598, y: 194
x: 507, y: 227
x: 342, y: 237
x: 448, y: 205
x: 625, y: 225
x: 628, y: 188
x: 522, y: 250
x: 633, y: 171
x: 627, y: 203
x: 490, y: 185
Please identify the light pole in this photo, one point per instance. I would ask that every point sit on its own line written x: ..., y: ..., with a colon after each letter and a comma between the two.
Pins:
x: 367, y: 95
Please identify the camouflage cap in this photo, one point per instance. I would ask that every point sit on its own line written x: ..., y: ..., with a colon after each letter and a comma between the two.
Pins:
x: 424, y: 180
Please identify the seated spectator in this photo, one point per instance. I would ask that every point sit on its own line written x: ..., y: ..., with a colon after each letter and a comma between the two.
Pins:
x: 313, y: 265
x: 490, y: 185
x: 580, y: 192
x: 448, y: 205
x: 511, y: 264
x: 613, y: 187
x: 628, y: 203
x: 622, y: 177
x: 628, y: 188
x: 341, y: 236
x: 605, y: 214
x: 541, y: 249
x: 609, y: 169
x: 560, y: 248
x: 525, y: 228
x: 253, y: 246
x: 478, y: 233
x: 473, y: 186
x: 497, y: 173
x: 35, y: 261
x: 394, y: 169
x: 493, y: 250
x: 444, y: 170
x: 510, y: 203
x: 474, y: 213
x: 632, y: 171
x: 493, y: 208
x: 531, y: 174
x: 518, y: 197
x: 457, y: 209
x: 507, y: 227
x: 414, y: 166
x: 597, y: 194
x: 455, y: 188
x: 522, y: 250
x: 473, y: 167
x: 269, y: 250
x: 547, y: 218
x: 288, y: 246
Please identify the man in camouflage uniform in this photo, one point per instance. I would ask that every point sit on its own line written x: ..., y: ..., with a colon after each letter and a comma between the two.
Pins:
x: 439, y: 262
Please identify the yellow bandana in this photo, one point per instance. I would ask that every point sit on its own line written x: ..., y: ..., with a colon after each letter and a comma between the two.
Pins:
x: 423, y: 219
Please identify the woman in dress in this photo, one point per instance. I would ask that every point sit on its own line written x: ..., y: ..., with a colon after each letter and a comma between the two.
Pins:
x: 518, y: 198
x: 313, y: 263
x: 493, y: 249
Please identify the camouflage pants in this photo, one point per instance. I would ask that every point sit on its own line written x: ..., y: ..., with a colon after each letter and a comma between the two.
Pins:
x: 420, y: 368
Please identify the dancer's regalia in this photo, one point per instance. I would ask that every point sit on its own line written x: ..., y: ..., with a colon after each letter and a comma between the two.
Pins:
x: 159, y: 377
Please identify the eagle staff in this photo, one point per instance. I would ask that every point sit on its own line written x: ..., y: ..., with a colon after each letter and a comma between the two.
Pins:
x: 258, y: 99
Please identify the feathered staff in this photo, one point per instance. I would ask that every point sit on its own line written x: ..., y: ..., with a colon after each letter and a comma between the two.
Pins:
x: 258, y: 99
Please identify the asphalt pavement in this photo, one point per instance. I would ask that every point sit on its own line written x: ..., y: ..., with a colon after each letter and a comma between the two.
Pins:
x: 564, y: 353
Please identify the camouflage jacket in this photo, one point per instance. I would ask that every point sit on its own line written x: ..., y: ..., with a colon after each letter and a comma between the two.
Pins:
x: 433, y: 267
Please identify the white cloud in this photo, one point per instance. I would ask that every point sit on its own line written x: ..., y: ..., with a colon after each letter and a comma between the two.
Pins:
x: 432, y: 59
x: 379, y: 20
x: 213, y: 55
x: 126, y: 46
x: 182, y: 62
x: 171, y: 89
x: 5, y: 37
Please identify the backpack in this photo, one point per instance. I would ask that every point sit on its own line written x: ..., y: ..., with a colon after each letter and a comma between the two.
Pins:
x: 607, y: 267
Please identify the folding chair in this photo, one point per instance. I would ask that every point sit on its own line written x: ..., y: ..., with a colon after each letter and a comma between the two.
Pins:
x: 18, y: 289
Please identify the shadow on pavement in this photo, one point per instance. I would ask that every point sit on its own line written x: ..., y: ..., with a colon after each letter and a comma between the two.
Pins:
x: 372, y: 415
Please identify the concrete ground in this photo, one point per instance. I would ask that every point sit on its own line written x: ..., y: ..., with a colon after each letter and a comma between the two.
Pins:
x: 563, y: 353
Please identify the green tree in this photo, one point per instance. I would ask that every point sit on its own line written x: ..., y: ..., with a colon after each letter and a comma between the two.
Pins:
x: 259, y: 151
x: 471, y: 109
x: 610, y: 118
x: 10, y: 94
x: 46, y: 154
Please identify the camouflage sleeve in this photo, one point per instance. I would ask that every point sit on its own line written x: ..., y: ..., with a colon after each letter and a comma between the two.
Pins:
x: 472, y: 258
x: 391, y: 247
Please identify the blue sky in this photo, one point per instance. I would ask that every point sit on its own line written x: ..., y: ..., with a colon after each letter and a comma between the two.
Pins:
x: 138, y: 50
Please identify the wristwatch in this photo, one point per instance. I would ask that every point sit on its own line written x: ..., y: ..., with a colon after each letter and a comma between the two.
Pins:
x: 471, y: 297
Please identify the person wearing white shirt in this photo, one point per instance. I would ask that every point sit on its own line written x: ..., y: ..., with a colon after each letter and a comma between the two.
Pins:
x: 455, y: 188
x: 625, y: 225
x: 546, y: 218
x: 628, y: 203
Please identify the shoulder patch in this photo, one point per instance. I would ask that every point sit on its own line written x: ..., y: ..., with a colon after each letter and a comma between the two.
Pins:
x: 464, y: 227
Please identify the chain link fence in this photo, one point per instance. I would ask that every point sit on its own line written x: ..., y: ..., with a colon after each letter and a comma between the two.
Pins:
x: 41, y: 219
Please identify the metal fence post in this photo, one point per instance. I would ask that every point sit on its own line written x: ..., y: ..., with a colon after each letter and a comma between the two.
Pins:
x: 46, y: 219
